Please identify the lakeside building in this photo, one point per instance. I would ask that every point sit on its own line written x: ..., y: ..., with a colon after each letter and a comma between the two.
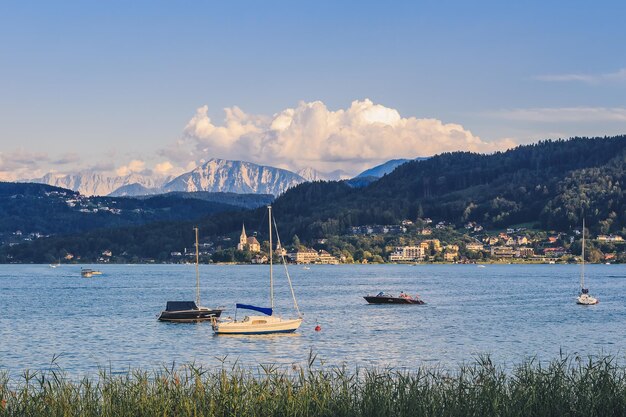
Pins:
x: 526, y: 252
x: 503, y: 252
x: 311, y: 256
x: 326, y: 258
x: 260, y: 259
x: 407, y: 253
x: 303, y: 256
x: 250, y: 243
x: 451, y: 256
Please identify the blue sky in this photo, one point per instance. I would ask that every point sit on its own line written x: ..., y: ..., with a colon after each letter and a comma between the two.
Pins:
x: 101, y: 84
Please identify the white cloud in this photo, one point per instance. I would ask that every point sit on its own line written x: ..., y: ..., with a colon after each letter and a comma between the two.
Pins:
x: 167, y: 168
x: 612, y: 77
x: 133, y: 166
x: 312, y: 135
x: 20, y: 164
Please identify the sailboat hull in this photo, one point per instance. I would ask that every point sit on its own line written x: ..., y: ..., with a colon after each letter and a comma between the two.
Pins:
x: 189, y: 316
x: 257, y: 325
x: 586, y: 300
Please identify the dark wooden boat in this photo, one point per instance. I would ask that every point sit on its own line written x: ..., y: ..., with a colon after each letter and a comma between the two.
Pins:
x: 382, y: 298
x: 187, y: 311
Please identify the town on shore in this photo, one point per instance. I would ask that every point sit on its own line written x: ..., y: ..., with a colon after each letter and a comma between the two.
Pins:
x: 407, y: 242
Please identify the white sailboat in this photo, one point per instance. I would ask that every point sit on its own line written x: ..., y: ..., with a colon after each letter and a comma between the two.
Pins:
x: 268, y: 323
x: 584, y: 298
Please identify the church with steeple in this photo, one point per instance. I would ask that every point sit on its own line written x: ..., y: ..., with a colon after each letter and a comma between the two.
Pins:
x: 249, y: 243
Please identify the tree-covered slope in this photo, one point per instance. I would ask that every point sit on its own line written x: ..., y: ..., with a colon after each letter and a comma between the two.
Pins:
x: 41, y: 209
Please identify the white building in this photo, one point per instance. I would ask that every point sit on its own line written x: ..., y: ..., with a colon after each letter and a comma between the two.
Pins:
x: 407, y: 253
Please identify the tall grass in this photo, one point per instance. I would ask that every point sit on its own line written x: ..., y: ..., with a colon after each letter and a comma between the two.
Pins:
x: 565, y: 387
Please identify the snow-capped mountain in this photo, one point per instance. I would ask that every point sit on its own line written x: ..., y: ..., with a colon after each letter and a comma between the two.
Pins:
x: 219, y: 175
x: 216, y: 175
x: 94, y: 183
x: 311, y: 174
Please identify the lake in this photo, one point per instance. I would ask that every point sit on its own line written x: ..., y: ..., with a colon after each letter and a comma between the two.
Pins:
x: 511, y: 312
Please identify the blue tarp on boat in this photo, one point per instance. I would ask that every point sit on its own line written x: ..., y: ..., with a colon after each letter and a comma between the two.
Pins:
x: 264, y: 310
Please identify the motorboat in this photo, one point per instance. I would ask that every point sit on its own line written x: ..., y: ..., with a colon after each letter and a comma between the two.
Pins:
x: 88, y: 272
x: 384, y: 298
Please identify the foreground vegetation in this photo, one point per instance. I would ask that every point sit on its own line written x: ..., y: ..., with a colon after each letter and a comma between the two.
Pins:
x: 566, y: 387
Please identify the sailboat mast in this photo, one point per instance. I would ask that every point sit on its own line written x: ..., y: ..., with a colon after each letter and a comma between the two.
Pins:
x: 582, y: 270
x: 197, y: 271
x: 269, y: 213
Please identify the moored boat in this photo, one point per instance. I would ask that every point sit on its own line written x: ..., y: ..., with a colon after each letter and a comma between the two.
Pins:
x: 384, y: 298
x: 269, y: 323
x: 584, y: 298
x: 189, y: 311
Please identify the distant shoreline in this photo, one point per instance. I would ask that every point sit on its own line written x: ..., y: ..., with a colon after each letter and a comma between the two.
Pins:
x: 513, y: 262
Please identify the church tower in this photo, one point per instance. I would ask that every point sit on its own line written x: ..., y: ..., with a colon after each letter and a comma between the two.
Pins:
x: 243, y: 239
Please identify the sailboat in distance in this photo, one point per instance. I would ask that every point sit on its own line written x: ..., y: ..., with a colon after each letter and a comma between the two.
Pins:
x: 268, y: 323
x: 584, y: 298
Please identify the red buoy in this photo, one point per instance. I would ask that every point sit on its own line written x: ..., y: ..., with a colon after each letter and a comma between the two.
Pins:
x: 318, y: 328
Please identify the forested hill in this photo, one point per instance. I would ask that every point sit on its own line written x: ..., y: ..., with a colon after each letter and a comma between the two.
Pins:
x: 40, y: 210
x: 548, y: 184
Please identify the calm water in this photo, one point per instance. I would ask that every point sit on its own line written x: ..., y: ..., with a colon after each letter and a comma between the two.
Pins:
x: 509, y: 311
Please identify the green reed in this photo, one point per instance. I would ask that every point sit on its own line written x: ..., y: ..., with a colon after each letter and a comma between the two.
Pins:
x: 564, y: 387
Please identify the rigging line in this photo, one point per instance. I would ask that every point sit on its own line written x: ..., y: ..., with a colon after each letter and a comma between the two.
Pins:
x: 293, y: 294
x: 262, y: 223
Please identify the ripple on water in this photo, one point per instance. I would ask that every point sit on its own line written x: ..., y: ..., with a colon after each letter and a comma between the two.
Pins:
x: 509, y: 311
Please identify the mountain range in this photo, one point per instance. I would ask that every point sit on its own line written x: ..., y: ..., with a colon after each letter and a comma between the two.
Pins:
x: 215, y: 175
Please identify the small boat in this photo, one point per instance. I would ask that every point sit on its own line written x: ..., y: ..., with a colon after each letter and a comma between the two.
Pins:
x: 384, y: 298
x: 54, y: 265
x: 189, y: 311
x: 584, y: 298
x: 88, y: 273
x: 269, y: 323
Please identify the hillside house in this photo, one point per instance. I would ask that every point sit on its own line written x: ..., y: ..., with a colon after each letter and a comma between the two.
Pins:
x: 474, y: 246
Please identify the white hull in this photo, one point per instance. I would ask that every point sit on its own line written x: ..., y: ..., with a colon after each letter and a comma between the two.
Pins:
x: 257, y: 325
x: 586, y: 299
